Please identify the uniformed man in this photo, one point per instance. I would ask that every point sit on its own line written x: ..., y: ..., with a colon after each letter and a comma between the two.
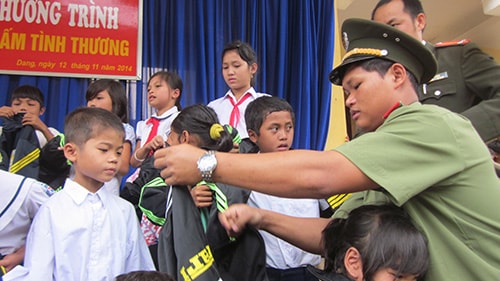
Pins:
x: 424, y: 158
x: 467, y: 80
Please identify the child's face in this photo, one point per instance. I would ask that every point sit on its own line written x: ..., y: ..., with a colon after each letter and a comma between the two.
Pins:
x: 98, y: 159
x: 101, y: 100
x: 160, y: 95
x: 173, y: 138
x: 276, y: 132
x: 237, y: 73
x: 27, y: 105
x: 387, y: 274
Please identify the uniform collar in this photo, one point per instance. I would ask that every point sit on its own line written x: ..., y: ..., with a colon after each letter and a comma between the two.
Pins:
x: 166, y: 114
x: 251, y: 90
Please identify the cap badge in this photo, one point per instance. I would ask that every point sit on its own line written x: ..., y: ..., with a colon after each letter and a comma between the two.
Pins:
x: 345, y: 40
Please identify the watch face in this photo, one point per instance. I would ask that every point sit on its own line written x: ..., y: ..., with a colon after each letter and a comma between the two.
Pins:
x: 207, y: 163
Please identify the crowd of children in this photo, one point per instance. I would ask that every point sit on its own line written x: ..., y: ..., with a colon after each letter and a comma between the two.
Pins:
x: 86, y: 219
x: 95, y: 229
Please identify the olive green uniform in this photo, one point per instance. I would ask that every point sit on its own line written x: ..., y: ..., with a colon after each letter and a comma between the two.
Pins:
x: 431, y: 162
x: 467, y: 82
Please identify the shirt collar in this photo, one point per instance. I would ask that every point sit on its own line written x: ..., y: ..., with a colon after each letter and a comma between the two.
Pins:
x: 251, y: 90
x: 167, y: 113
x: 79, y: 193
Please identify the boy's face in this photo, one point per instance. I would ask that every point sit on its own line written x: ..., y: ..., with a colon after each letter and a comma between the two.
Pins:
x: 27, y: 105
x: 97, y: 160
x: 276, y: 132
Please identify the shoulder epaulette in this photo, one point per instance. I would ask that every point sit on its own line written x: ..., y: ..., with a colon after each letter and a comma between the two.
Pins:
x: 452, y: 43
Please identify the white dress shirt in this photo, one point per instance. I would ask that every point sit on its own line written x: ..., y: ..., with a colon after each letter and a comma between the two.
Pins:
x: 79, y: 235
x: 279, y: 253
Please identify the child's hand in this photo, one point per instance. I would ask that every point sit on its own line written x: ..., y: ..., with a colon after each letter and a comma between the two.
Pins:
x: 34, y: 120
x: 202, y: 196
x: 156, y: 143
x: 11, y: 260
x: 6, y: 111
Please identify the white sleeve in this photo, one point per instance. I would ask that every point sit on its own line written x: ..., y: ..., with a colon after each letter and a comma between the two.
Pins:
x: 39, y: 193
x: 138, y: 257
x: 40, y: 252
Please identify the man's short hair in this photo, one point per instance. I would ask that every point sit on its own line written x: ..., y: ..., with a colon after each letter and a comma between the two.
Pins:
x: 412, y: 7
x: 381, y: 66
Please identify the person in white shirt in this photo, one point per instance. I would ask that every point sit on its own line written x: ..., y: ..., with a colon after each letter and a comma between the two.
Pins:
x: 164, y: 95
x: 21, y: 198
x: 270, y: 123
x: 239, y: 66
x: 84, y: 232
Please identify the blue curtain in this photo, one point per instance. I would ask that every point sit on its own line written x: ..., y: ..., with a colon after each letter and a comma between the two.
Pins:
x: 294, y: 42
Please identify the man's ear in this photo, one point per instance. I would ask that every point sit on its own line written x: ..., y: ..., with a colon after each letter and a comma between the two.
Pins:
x: 252, y: 135
x: 398, y: 74
x: 353, y: 264
x: 70, y: 151
x: 420, y: 22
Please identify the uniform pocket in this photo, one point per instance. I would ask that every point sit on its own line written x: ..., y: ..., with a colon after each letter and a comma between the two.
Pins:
x: 438, y: 89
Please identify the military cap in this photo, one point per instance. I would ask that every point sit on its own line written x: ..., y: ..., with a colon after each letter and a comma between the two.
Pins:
x: 366, y: 39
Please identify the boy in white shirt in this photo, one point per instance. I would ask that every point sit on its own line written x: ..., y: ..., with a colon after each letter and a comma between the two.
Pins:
x: 83, y: 232
x: 270, y: 123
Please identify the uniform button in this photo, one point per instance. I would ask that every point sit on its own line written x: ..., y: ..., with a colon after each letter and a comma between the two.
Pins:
x: 437, y: 93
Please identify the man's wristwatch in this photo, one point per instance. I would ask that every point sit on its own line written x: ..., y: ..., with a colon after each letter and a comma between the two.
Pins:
x: 207, y: 164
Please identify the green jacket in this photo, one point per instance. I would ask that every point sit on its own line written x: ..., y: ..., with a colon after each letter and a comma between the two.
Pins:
x: 467, y: 82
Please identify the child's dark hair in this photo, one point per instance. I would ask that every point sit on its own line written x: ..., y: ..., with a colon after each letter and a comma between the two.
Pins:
x: 173, y: 80
x: 245, y: 51
x: 85, y: 123
x: 116, y: 92
x: 28, y: 92
x: 202, y: 121
x: 385, y: 238
x: 145, y: 276
x: 257, y: 111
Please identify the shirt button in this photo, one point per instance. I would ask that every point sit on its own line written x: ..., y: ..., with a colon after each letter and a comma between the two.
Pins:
x: 437, y: 93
